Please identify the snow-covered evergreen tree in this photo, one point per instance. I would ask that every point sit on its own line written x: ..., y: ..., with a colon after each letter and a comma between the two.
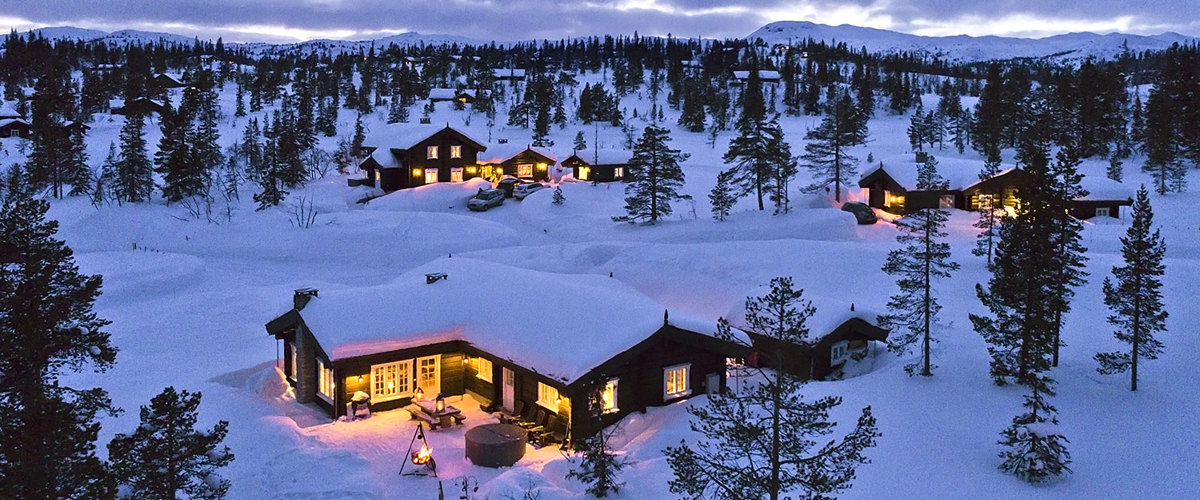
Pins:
x: 767, y: 441
x: 47, y: 329
x: 826, y: 155
x: 991, y: 212
x: 77, y: 165
x: 580, y: 143
x: 135, y: 181
x: 166, y: 456
x: 722, y: 196
x: 763, y: 162
x: 558, y: 196
x: 1135, y: 297
x: 923, y: 258
x: 1035, y: 448
x: 654, y: 177
x: 599, y: 466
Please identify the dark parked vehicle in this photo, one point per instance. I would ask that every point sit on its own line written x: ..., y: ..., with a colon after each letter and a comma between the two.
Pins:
x: 486, y: 199
x: 508, y: 184
x: 863, y: 213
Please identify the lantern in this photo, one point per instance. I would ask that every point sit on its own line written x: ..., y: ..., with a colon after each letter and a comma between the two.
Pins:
x: 439, y: 404
x: 419, y: 394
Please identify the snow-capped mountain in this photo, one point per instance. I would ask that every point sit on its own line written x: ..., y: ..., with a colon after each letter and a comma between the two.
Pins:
x: 338, y: 46
x: 116, y: 37
x: 1072, y: 46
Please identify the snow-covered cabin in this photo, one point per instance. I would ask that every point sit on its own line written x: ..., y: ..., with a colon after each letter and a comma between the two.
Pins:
x: 1105, y: 198
x: 164, y: 81
x: 520, y: 161
x: 12, y: 123
x: 405, y: 155
x: 141, y: 106
x: 599, y: 165
x: 464, y: 96
x: 509, y: 74
x: 740, y: 77
x: 839, y: 332
x: 488, y: 330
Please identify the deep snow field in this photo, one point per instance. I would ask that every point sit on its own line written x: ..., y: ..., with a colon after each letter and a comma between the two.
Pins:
x: 188, y: 301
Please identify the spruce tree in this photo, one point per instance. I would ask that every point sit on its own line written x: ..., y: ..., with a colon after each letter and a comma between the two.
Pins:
x: 1035, y: 448
x: 1070, y: 256
x: 767, y: 441
x: 722, y: 196
x: 924, y: 257
x: 558, y: 196
x: 598, y: 466
x: 991, y: 212
x: 47, y: 329
x: 655, y: 176
x: 176, y: 158
x: 580, y: 143
x: 360, y: 135
x: 763, y: 162
x: 77, y: 165
x: 102, y: 192
x: 135, y: 181
x: 1161, y: 145
x: 826, y: 155
x: 1135, y: 298
x: 166, y: 456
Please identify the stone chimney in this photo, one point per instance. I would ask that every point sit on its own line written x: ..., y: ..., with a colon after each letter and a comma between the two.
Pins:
x: 302, y: 296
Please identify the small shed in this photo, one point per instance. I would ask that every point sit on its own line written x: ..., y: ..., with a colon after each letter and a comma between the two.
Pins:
x: 839, y: 332
x: 603, y: 165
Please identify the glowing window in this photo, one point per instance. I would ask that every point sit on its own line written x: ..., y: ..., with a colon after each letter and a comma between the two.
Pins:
x: 608, y: 398
x: 456, y: 174
x: 390, y: 381
x: 675, y: 380
x: 525, y: 170
x: 484, y: 372
x: 431, y: 152
x: 291, y: 354
x: 547, y: 397
x: 324, y: 379
x: 619, y: 172
x: 455, y: 152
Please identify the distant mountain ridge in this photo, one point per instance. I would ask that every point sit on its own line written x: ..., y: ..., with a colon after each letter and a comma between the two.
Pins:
x: 963, y: 48
x: 960, y: 48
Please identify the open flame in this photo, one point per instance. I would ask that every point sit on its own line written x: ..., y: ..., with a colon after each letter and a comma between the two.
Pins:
x: 422, y: 455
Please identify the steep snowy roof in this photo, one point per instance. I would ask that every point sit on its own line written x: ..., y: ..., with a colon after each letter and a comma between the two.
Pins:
x: 8, y: 111
x: 6, y: 121
x: 385, y: 158
x: 406, y: 135
x: 1103, y: 188
x: 497, y: 153
x: 604, y: 156
x: 906, y: 175
x: 508, y: 73
x: 763, y: 74
x: 510, y: 312
x: 443, y: 93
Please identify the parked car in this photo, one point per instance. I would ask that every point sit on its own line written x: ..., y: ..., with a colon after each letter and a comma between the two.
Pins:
x: 486, y: 199
x: 508, y: 185
x: 523, y: 190
x: 863, y: 213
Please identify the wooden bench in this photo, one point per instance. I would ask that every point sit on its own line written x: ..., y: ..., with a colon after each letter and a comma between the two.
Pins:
x: 418, y: 414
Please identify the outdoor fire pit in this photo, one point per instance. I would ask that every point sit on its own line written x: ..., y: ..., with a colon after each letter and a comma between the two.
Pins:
x: 495, y: 445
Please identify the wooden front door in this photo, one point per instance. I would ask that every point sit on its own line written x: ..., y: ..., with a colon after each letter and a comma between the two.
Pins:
x: 508, y: 391
x: 584, y: 173
x: 428, y: 376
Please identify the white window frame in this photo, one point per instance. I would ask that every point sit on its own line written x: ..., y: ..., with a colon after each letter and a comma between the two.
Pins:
x: 1103, y: 212
x: 456, y: 174
x: 325, y: 384
x: 618, y: 173
x: 524, y: 170
x: 431, y: 152
x: 671, y: 388
x: 839, y: 352
x: 456, y: 151
x: 608, y: 396
x: 547, y: 397
x: 483, y: 370
x: 431, y: 173
x: 403, y: 372
x: 293, y: 363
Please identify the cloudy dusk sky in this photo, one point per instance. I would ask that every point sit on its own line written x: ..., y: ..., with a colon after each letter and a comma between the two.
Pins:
x: 508, y: 20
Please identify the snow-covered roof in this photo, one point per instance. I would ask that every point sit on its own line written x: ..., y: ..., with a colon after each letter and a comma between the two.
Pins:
x: 905, y: 174
x: 4, y: 122
x: 763, y: 74
x: 385, y: 158
x: 829, y: 314
x: 8, y: 111
x: 1102, y: 188
x: 445, y: 94
x: 605, y: 156
x: 506, y: 311
x: 979, y: 181
x: 497, y: 153
x: 508, y: 73
x: 406, y: 135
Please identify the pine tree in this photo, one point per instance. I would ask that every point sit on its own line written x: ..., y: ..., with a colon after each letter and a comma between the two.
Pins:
x: 558, y: 196
x: 360, y: 135
x: 240, y: 108
x: 166, y: 456
x: 722, y: 196
x: 176, y: 158
x: 48, y: 328
x: 102, y: 192
x: 580, y: 142
x: 1070, y: 256
x: 599, y: 466
x: 655, y: 176
x: 917, y: 129
x: 990, y: 214
x: 692, y: 117
x: 763, y: 162
x: 77, y: 165
x: 135, y: 182
x: 1135, y: 298
x: 924, y: 257
x: 1035, y: 447
x: 1161, y: 145
x: 826, y: 155
x: 760, y: 442
x: 987, y: 130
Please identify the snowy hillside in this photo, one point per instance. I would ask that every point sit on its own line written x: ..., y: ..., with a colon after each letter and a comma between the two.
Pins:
x: 1073, y: 46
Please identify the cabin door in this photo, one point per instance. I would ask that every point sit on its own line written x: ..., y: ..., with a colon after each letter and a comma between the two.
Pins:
x: 428, y: 376
x: 584, y: 173
x: 508, y: 391
x: 712, y: 383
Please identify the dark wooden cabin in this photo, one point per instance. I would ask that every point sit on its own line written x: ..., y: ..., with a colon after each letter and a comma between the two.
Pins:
x: 824, y: 357
x: 163, y: 81
x: 599, y: 166
x: 521, y: 162
x: 330, y: 351
x: 140, y: 106
x: 14, y: 127
x: 406, y: 155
